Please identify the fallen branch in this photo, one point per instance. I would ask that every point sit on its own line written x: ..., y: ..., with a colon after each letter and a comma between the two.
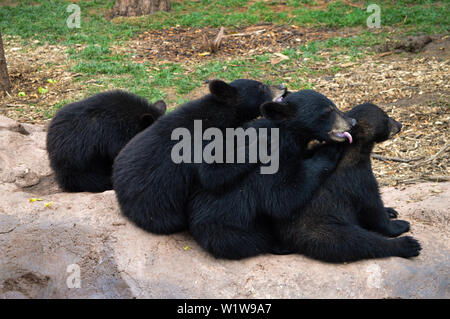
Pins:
x: 433, y: 157
x: 384, y: 54
x: 282, y: 71
x: 437, y: 178
x: 396, y: 159
x: 245, y: 33
x: 17, y: 105
x: 423, y: 178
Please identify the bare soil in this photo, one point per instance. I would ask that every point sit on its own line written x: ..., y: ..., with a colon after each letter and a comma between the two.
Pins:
x: 188, y: 44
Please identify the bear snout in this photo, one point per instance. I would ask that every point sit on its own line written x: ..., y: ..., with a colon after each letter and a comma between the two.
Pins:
x: 395, y: 127
x: 343, y: 123
x: 278, y: 92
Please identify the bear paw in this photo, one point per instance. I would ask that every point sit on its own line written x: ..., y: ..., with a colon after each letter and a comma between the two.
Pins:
x: 392, y: 213
x: 408, y: 247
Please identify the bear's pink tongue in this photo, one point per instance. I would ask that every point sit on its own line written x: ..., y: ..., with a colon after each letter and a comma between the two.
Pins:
x: 347, y: 135
x: 279, y: 99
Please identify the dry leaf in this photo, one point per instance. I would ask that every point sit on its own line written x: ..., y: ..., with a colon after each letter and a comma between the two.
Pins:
x: 279, y: 57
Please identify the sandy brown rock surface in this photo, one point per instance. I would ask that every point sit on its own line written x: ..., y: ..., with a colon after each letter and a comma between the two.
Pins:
x: 48, y: 237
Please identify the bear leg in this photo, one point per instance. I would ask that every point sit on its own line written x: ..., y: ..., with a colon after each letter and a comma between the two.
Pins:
x: 347, y: 242
x: 230, y: 242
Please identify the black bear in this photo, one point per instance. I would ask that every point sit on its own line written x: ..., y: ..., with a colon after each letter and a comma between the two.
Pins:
x: 84, y: 137
x: 346, y: 219
x: 237, y: 223
x: 152, y: 189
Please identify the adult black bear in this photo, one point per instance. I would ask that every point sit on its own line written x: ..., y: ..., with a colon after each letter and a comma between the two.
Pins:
x: 346, y: 219
x: 152, y: 190
x: 84, y: 137
x: 236, y: 224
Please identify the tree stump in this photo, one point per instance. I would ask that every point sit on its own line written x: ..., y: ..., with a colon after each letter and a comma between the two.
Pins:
x: 132, y: 8
x: 5, y: 85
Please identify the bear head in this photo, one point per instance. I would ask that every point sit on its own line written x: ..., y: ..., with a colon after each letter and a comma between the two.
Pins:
x: 154, y: 111
x: 246, y: 95
x: 373, y: 124
x: 310, y: 115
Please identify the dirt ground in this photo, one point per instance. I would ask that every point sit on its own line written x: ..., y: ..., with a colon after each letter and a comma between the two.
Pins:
x: 190, y: 44
x: 413, y: 87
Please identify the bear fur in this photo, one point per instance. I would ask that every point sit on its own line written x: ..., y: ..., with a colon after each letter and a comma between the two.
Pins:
x: 346, y: 220
x: 153, y: 190
x: 237, y: 223
x: 84, y: 137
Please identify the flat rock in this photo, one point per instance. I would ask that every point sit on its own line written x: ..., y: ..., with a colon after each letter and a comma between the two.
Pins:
x: 77, y: 245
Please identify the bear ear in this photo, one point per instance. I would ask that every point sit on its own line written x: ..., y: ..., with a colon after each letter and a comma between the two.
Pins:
x: 276, y: 111
x: 160, y: 105
x: 222, y: 91
x: 147, y: 119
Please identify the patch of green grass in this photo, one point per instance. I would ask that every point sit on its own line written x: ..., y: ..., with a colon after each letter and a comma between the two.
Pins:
x: 426, y: 16
x: 353, y: 47
x: 108, y: 67
x: 46, y: 20
x: 429, y: 16
x: 50, y: 111
x: 297, y: 3
x: 139, y: 85
x: 230, y: 3
x: 230, y: 70
x: 155, y: 81
x: 91, y: 52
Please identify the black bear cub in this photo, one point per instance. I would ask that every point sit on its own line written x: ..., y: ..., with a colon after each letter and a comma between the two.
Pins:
x: 346, y: 219
x: 152, y: 188
x: 237, y: 223
x: 84, y: 137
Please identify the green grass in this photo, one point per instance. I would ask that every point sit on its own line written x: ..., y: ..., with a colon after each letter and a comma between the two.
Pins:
x: 96, y: 59
x: 153, y: 81
x: 50, y: 111
x: 46, y: 21
x: 428, y: 16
